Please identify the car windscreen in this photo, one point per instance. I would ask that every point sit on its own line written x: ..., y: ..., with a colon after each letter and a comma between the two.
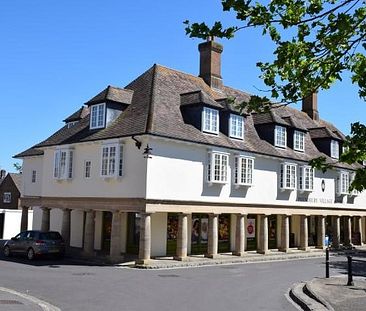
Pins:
x: 50, y: 236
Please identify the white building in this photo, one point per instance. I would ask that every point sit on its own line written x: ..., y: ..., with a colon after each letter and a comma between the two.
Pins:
x: 166, y: 165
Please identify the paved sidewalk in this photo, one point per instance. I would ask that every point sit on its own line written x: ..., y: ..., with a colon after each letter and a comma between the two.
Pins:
x: 340, y: 296
x: 200, y: 260
x: 11, y: 300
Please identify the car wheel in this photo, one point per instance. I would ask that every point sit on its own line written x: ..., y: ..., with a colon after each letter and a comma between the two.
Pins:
x: 7, y: 252
x: 30, y: 254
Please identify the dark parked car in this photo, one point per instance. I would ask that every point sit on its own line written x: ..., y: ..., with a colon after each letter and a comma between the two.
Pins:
x: 35, y: 243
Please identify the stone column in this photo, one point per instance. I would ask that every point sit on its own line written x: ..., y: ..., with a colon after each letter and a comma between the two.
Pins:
x: 321, y: 232
x: 89, y: 233
x: 24, y: 221
x: 65, y: 229
x: 348, y: 231
x: 182, y: 238
x: 240, y: 235
x: 45, y: 226
x: 145, y: 239
x: 304, y: 233
x: 360, y: 228
x: 213, y: 236
x: 336, y: 223
x: 263, y: 235
x: 115, y: 248
x: 285, y: 233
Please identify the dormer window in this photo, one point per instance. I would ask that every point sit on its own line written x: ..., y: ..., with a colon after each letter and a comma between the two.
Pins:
x: 306, y: 178
x: 288, y: 176
x: 97, y: 117
x: 71, y: 124
x: 280, y: 136
x: 210, y: 120
x: 334, y: 149
x: 236, y: 126
x: 299, y: 141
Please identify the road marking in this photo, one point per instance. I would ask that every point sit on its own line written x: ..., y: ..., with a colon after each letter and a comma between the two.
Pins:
x: 43, y: 304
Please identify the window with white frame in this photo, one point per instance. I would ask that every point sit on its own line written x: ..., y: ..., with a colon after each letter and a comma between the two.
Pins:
x: 34, y: 176
x: 352, y: 177
x: 97, y: 116
x: 112, y: 160
x: 87, y: 169
x: 7, y: 197
x: 63, y: 164
x: 288, y: 176
x: 334, y: 149
x: 236, y: 126
x: 210, y: 120
x: 217, y: 167
x: 342, y: 183
x: 306, y: 178
x: 299, y: 141
x: 280, y: 136
x: 243, y: 174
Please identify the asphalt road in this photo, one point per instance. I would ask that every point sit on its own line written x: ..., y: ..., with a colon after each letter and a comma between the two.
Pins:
x: 71, y: 287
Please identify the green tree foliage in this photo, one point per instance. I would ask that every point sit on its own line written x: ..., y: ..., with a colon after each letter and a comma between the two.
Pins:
x: 316, y: 41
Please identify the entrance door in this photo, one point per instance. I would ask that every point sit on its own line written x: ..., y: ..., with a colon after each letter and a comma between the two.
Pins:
x: 133, y: 233
x: 199, y: 234
x: 2, y: 225
x: 106, y: 231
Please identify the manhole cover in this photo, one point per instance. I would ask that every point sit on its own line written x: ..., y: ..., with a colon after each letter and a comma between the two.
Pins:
x: 10, y: 302
x: 83, y: 273
x: 169, y: 276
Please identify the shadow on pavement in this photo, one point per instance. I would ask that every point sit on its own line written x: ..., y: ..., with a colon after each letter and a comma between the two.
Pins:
x: 358, y: 262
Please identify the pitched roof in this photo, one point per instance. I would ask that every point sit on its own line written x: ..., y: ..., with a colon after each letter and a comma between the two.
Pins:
x: 155, y: 109
x: 113, y: 94
x: 78, y: 115
x: 17, y: 179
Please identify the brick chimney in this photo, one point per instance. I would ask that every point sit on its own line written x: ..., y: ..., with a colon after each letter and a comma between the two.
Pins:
x: 210, y: 63
x: 310, y: 106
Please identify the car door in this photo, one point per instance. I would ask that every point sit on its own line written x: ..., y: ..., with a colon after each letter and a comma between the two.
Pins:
x: 28, y: 241
x: 17, y: 242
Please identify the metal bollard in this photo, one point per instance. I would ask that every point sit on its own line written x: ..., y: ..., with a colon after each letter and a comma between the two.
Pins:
x: 327, y: 263
x: 350, y: 277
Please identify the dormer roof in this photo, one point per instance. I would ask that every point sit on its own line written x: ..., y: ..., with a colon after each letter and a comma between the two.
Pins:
x: 198, y: 97
x: 77, y: 115
x: 112, y: 94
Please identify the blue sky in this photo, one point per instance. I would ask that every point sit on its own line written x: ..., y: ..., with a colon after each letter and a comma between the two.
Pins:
x: 55, y: 55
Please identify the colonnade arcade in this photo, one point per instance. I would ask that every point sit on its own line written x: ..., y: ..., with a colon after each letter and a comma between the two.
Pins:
x: 342, y: 228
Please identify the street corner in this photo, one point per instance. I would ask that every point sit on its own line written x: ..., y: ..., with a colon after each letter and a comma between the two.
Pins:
x: 17, y: 301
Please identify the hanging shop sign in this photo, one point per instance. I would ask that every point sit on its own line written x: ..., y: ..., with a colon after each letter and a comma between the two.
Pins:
x: 251, y: 228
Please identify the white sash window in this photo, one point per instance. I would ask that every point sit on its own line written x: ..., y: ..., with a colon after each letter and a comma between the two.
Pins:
x: 112, y: 160
x: 243, y: 175
x: 217, y: 167
x: 306, y: 178
x: 63, y: 164
x: 288, y: 176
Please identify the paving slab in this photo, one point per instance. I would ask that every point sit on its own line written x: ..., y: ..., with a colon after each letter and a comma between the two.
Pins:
x: 340, y: 296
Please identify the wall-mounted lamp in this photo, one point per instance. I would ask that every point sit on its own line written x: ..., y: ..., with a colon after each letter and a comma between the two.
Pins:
x: 147, y: 152
x: 137, y: 143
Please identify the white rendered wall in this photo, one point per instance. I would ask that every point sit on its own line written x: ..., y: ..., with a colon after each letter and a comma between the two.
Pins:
x: 131, y: 184
x: 32, y: 164
x: 56, y: 219
x: 12, y: 220
x: 158, y: 234
x: 77, y: 228
x: 177, y: 171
